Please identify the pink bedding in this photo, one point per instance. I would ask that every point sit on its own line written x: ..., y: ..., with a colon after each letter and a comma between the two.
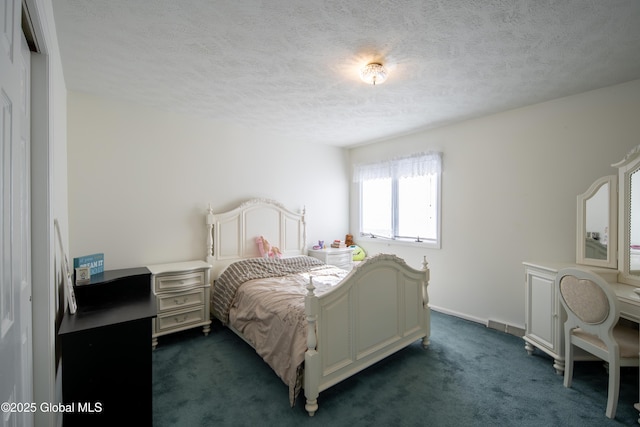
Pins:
x: 269, y: 313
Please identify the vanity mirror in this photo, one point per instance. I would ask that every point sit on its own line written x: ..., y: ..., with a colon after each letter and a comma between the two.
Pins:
x: 629, y: 218
x: 596, y: 234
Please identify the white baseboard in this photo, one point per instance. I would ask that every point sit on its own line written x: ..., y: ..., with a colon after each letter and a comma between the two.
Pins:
x: 502, y: 327
x: 457, y: 314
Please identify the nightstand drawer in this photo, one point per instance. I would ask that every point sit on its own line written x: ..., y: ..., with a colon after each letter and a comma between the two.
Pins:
x: 179, y: 281
x: 179, y: 300
x: 339, y: 259
x: 179, y: 319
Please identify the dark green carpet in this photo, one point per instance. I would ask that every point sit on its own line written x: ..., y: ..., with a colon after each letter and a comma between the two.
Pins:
x: 469, y: 376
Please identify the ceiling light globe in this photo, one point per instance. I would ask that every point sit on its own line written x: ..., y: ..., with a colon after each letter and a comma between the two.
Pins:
x: 373, y: 74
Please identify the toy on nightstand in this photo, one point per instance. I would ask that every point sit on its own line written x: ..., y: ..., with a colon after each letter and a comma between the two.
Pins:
x: 348, y: 240
x: 358, y: 253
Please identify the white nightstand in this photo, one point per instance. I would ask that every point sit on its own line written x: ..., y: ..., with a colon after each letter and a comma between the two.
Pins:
x: 340, y: 257
x: 182, y: 294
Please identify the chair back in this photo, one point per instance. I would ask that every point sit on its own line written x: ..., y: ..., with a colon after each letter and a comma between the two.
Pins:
x: 589, y: 301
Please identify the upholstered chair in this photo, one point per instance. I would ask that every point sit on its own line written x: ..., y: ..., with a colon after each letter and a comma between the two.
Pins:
x: 592, y: 325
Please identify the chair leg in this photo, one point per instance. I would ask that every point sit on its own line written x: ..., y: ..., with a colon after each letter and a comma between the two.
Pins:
x: 614, y: 390
x: 568, y: 366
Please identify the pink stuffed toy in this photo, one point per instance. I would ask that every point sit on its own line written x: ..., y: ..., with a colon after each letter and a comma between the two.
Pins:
x: 266, y: 250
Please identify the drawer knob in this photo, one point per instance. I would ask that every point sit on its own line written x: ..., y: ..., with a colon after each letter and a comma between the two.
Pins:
x: 180, y: 302
x: 179, y: 320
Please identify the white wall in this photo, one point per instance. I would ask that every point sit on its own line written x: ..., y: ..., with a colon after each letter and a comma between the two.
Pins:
x: 509, y: 186
x: 140, y: 180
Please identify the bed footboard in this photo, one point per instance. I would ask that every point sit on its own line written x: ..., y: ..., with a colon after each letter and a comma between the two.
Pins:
x: 380, y: 308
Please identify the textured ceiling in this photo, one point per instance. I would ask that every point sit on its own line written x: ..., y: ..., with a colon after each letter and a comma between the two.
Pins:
x: 290, y: 67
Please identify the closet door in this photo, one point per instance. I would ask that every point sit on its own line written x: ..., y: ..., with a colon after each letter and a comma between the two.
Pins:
x: 16, y: 369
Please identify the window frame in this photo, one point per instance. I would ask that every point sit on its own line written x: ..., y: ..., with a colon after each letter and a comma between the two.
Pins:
x: 434, y: 243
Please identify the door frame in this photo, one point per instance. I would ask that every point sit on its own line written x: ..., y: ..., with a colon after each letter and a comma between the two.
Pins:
x: 46, y: 381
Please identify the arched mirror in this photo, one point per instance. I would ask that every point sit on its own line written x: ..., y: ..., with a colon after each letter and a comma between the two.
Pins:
x: 629, y: 218
x: 596, y: 235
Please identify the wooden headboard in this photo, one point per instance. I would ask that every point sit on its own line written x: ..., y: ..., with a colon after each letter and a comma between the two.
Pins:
x: 232, y: 235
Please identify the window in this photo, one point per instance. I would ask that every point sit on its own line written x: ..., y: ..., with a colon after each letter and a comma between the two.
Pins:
x: 400, y: 199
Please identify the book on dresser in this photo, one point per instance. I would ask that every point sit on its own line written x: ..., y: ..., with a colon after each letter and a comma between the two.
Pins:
x: 337, y: 244
x: 95, y: 262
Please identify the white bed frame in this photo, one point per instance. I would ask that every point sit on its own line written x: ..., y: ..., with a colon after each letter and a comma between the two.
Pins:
x: 380, y: 308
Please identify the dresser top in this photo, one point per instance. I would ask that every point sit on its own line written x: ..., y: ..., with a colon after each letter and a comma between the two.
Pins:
x: 109, y: 276
x: 178, y: 266
x: 330, y: 249
x: 112, y: 297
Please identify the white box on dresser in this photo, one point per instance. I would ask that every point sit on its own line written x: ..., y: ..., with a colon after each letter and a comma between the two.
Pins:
x: 182, y: 294
x: 340, y: 257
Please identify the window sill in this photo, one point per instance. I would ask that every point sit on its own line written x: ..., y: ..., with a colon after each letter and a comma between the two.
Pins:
x: 427, y: 243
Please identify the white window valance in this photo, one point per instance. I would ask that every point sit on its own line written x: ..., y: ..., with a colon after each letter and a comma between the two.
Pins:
x: 419, y: 164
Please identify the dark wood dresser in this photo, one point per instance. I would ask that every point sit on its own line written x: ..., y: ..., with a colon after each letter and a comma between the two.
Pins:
x: 106, y: 351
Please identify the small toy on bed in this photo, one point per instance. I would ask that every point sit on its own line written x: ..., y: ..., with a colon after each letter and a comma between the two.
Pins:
x: 266, y: 250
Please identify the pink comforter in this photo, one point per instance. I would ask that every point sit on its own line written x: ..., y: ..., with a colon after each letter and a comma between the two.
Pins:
x: 269, y: 313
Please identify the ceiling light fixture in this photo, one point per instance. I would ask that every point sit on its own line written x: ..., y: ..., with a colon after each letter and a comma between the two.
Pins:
x: 373, y: 73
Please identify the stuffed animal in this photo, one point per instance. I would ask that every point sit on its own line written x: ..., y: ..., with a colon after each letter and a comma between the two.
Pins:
x: 358, y: 253
x: 275, y: 252
x: 348, y: 240
x: 266, y: 250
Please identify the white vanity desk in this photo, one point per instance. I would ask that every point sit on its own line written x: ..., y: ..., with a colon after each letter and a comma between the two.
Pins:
x: 544, y: 325
x: 629, y: 301
x: 544, y: 314
x: 629, y: 308
x: 607, y: 242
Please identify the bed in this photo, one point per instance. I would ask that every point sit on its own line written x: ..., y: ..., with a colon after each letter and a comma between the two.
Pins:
x: 313, y: 323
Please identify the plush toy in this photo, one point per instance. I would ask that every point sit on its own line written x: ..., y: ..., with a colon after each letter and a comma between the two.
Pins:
x: 266, y: 250
x: 358, y: 253
x: 348, y: 240
x: 275, y: 252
